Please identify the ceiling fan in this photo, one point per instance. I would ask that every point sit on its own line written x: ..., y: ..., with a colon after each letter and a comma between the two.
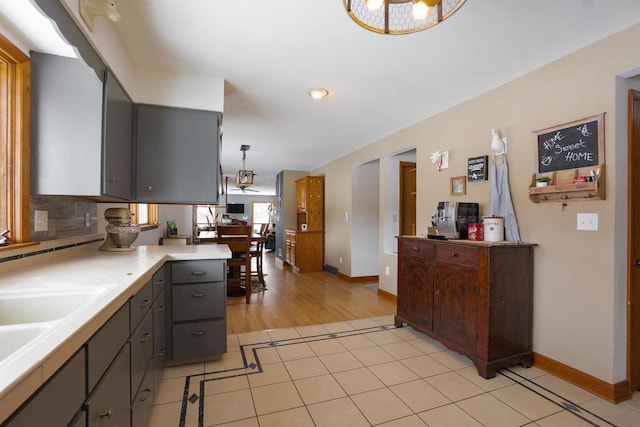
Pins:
x: 244, y: 177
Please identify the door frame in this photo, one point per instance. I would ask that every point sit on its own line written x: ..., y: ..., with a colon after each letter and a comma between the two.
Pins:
x: 633, y: 228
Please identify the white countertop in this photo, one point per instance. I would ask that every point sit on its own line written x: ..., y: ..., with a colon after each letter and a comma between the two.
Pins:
x: 118, y: 276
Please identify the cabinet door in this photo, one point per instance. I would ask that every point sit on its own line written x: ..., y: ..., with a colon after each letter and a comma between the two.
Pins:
x: 456, y: 304
x: 301, y: 194
x: 118, y: 140
x: 66, y: 126
x: 415, y: 291
x: 176, y: 155
x: 109, y: 404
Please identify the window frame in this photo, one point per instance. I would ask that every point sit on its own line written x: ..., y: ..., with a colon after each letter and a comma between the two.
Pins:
x: 15, y: 67
x: 152, y: 215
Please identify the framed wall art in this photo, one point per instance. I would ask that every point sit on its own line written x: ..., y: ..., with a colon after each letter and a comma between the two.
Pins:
x: 458, y: 186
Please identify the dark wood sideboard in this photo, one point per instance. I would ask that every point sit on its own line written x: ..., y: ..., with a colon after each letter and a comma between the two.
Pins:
x: 473, y: 297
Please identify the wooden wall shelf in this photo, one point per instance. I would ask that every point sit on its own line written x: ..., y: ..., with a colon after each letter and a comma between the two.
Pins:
x: 563, y: 189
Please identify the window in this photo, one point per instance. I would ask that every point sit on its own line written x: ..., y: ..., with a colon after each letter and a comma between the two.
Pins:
x: 14, y: 141
x: 145, y: 215
x: 204, y: 217
x: 261, y: 213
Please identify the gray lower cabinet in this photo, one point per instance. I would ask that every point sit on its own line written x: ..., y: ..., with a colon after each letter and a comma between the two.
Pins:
x: 58, y: 401
x: 177, y: 154
x: 109, y: 404
x: 197, y: 303
x: 112, y: 379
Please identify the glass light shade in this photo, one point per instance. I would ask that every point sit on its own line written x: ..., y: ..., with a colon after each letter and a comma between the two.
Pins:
x: 419, y: 10
x: 374, y: 4
x: 396, y: 16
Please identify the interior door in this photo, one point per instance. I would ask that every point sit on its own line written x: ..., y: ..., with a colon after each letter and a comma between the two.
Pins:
x: 633, y: 277
x: 407, y: 226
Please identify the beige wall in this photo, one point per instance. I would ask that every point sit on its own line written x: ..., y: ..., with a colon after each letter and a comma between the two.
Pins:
x: 576, y: 296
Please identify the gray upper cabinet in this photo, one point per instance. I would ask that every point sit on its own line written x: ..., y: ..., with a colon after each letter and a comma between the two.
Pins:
x: 177, y: 157
x: 118, y: 145
x: 81, y: 130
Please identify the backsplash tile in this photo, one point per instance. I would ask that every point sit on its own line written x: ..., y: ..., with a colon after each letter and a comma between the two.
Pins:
x: 66, y: 217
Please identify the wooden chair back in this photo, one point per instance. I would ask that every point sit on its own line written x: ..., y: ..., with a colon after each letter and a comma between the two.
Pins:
x: 238, y: 238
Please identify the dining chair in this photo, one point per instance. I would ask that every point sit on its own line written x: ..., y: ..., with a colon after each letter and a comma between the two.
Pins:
x: 238, y: 238
x: 256, y: 252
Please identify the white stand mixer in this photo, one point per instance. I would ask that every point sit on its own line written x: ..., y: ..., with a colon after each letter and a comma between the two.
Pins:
x: 120, y: 232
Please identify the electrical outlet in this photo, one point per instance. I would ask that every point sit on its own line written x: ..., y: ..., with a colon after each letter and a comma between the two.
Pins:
x: 340, y: 260
x: 387, y: 270
x: 588, y: 221
x: 87, y: 219
x: 41, y: 221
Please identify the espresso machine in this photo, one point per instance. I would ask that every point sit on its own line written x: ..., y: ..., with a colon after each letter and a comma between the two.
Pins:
x: 452, y: 218
x: 120, y: 232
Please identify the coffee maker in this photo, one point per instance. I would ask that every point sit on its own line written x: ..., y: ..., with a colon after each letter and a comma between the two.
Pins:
x: 452, y: 218
x: 120, y: 232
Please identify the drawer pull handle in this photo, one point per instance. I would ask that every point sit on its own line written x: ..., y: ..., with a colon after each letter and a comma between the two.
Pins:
x: 161, y: 352
x: 144, y: 303
x: 454, y: 254
x: 160, y: 282
x: 416, y: 248
x: 198, y: 273
x: 199, y: 295
x: 145, y: 337
x: 108, y: 415
x: 196, y: 333
x: 161, y: 308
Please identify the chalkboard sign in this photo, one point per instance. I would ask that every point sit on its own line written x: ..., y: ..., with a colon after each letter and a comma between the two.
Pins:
x: 572, y: 145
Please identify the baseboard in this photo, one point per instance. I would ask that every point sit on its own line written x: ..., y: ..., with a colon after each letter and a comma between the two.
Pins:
x: 387, y: 295
x: 359, y: 279
x: 614, y: 393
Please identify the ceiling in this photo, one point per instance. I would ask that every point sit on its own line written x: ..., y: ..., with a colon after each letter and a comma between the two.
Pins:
x: 271, y: 52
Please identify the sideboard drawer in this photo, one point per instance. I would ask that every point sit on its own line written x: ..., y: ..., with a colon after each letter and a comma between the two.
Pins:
x: 197, y: 271
x: 418, y: 249
x: 455, y: 254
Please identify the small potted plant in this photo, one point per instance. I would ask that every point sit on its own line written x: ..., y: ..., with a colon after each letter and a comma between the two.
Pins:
x: 542, y: 181
x: 172, y: 227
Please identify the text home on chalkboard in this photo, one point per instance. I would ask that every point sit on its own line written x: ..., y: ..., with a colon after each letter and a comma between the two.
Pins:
x: 572, y: 145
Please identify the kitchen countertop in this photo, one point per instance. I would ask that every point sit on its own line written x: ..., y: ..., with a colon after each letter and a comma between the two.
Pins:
x: 117, y: 275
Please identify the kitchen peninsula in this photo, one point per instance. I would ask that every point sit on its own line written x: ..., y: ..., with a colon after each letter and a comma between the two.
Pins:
x: 105, y: 283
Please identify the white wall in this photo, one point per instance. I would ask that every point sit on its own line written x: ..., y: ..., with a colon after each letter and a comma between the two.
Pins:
x: 364, y: 220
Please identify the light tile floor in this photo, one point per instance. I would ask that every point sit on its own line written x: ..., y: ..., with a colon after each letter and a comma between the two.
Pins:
x: 367, y: 373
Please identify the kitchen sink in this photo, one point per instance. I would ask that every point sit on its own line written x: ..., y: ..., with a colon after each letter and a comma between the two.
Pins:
x: 36, y: 306
x: 16, y: 336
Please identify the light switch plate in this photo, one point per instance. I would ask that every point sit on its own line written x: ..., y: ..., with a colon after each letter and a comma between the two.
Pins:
x: 588, y: 221
x: 41, y: 220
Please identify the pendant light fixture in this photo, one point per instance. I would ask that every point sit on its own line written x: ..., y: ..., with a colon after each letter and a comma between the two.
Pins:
x: 400, y: 16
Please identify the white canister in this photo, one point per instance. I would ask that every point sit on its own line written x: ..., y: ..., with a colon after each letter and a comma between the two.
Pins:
x: 493, y: 228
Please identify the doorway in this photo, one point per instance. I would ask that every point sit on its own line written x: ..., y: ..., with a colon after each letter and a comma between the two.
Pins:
x: 407, y: 211
x: 633, y: 272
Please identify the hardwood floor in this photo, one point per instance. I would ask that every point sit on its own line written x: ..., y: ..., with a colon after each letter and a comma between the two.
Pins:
x: 302, y: 299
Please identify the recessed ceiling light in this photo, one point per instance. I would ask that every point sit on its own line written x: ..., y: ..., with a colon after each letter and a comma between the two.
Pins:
x: 317, y: 92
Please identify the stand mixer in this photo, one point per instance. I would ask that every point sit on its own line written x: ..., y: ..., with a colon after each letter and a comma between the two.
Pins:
x: 120, y: 232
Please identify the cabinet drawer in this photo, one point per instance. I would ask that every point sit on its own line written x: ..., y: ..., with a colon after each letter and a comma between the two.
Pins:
x: 158, y: 281
x: 199, y: 339
x: 199, y: 301
x: 197, y: 271
x: 105, y: 344
x: 418, y: 249
x: 141, y: 351
x: 140, y: 305
x: 458, y: 255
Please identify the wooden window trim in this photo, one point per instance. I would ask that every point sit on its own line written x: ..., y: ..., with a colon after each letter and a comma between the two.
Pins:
x: 152, y: 213
x: 16, y: 115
